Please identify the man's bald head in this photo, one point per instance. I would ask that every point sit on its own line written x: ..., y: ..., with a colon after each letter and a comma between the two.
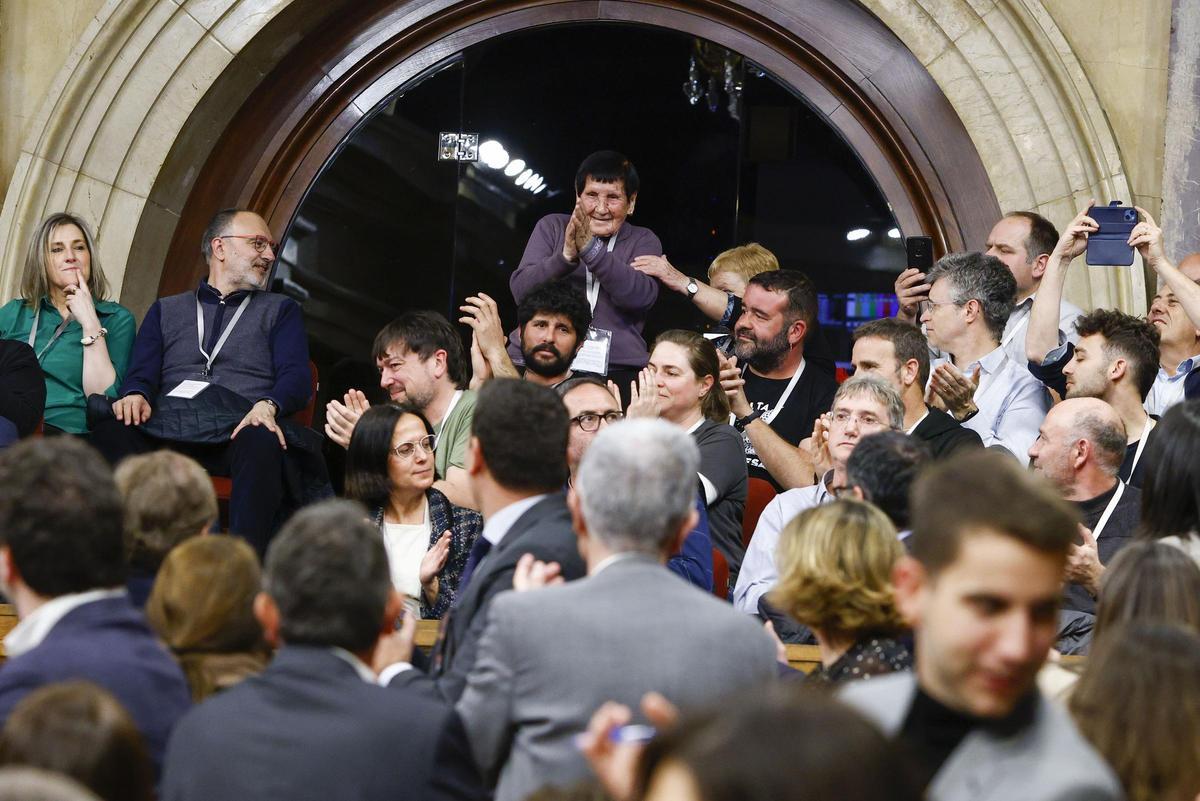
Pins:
x: 1093, y: 420
x: 1190, y: 266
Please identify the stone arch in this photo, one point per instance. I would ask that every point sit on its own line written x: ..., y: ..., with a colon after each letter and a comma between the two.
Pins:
x: 151, y: 84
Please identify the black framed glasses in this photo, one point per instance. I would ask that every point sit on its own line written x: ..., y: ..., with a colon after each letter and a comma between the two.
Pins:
x: 405, y: 450
x: 259, y: 243
x: 590, y: 421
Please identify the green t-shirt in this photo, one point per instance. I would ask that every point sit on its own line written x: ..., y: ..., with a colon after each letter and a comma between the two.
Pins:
x: 62, y: 362
x: 453, y: 433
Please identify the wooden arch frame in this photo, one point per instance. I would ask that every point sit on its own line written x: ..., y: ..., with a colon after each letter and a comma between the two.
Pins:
x: 844, y: 61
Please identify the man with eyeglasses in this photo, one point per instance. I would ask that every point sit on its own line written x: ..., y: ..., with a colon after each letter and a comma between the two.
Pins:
x: 863, y: 405
x: 970, y: 298
x: 212, y: 372
x: 592, y: 406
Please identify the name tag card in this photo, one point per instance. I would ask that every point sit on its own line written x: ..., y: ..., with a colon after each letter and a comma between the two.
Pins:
x: 188, y: 389
x: 593, y: 356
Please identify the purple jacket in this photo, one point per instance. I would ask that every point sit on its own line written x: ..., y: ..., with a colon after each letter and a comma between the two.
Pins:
x: 625, y: 294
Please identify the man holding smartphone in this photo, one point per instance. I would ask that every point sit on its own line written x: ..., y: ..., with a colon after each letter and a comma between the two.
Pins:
x: 1023, y: 241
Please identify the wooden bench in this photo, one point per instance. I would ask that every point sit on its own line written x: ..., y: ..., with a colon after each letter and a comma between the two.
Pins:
x: 8, y: 619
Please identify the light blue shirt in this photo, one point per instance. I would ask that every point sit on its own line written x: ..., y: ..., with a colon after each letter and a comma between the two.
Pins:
x: 1167, y: 390
x: 1012, y: 404
x: 759, y: 573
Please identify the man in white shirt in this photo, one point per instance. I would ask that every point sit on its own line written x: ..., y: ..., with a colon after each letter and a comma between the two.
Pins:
x: 863, y: 405
x: 970, y: 298
x: 1023, y: 242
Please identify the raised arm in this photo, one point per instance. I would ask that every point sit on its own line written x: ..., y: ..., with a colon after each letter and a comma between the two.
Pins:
x: 545, y: 257
x: 710, y: 301
x: 629, y: 289
x: 1042, y: 336
x: 1147, y: 238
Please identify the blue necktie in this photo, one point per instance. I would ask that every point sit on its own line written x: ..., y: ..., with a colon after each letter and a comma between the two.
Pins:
x: 478, y: 551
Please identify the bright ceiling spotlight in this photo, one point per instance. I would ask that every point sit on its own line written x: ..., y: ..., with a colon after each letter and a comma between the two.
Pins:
x: 523, y: 177
x: 514, y: 167
x: 538, y: 191
x: 493, y: 154
x: 856, y: 234
x: 893, y: 233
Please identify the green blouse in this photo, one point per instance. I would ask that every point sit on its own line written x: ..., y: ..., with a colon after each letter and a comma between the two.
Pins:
x: 62, y: 363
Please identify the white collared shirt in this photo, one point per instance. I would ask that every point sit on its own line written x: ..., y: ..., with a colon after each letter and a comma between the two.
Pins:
x: 33, y: 628
x: 1016, y: 330
x: 1012, y: 404
x: 1167, y: 390
x: 497, y: 526
x: 613, y: 559
x: 360, y: 667
x: 758, y: 573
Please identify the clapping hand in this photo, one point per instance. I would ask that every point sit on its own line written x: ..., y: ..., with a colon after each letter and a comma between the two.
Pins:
x: 956, y: 391
x: 734, y: 385
x: 643, y: 396
x: 533, y: 574
x: 341, y: 418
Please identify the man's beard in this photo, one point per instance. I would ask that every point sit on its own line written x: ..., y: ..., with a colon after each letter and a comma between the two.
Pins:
x: 555, y: 367
x: 762, y: 356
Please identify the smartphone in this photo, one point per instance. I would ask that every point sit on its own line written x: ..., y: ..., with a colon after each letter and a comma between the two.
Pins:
x: 920, y: 252
x: 1108, y: 246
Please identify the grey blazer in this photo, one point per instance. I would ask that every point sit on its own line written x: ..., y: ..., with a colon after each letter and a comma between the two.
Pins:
x: 544, y: 531
x: 1048, y: 761
x: 549, y: 658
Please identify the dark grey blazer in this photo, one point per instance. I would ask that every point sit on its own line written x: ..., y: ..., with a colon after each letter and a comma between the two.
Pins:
x: 543, y: 530
x: 1047, y: 761
x: 310, y: 729
x: 549, y: 658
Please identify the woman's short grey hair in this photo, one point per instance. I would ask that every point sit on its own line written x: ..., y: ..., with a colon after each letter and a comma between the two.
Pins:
x: 33, y: 279
x: 637, y: 483
x: 879, y: 391
x: 975, y: 276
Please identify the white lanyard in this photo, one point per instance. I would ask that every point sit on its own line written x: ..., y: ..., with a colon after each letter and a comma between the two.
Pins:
x: 768, y: 416
x: 449, y: 410
x: 1016, y: 329
x: 58, y: 332
x: 593, y: 286
x: 210, y: 357
x: 1141, y: 444
x: 1108, y: 510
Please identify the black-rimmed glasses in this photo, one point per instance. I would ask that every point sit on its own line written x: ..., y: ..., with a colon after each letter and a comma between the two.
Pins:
x: 259, y: 243
x: 590, y: 421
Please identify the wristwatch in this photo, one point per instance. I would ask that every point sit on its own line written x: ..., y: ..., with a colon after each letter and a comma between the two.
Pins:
x: 692, y: 287
x: 741, y: 422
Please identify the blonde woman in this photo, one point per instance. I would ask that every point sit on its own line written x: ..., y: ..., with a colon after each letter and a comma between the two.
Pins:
x: 835, y: 565
x: 82, y: 340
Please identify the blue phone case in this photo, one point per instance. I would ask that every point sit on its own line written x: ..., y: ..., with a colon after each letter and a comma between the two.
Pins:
x: 1107, y: 247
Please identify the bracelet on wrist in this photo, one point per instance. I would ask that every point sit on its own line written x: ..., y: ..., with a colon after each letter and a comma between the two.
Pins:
x: 103, y: 332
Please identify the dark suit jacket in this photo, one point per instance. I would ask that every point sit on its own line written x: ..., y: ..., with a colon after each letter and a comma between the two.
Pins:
x: 309, y: 728
x: 944, y: 435
x: 109, y: 643
x: 22, y: 386
x: 545, y: 531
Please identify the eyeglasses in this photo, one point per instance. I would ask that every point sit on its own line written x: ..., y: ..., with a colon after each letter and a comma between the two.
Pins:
x: 590, y: 421
x: 259, y: 243
x: 843, y: 417
x: 405, y: 450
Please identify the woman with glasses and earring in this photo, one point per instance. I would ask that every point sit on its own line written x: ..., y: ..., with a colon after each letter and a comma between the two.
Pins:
x: 82, y: 340
x: 389, y: 467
